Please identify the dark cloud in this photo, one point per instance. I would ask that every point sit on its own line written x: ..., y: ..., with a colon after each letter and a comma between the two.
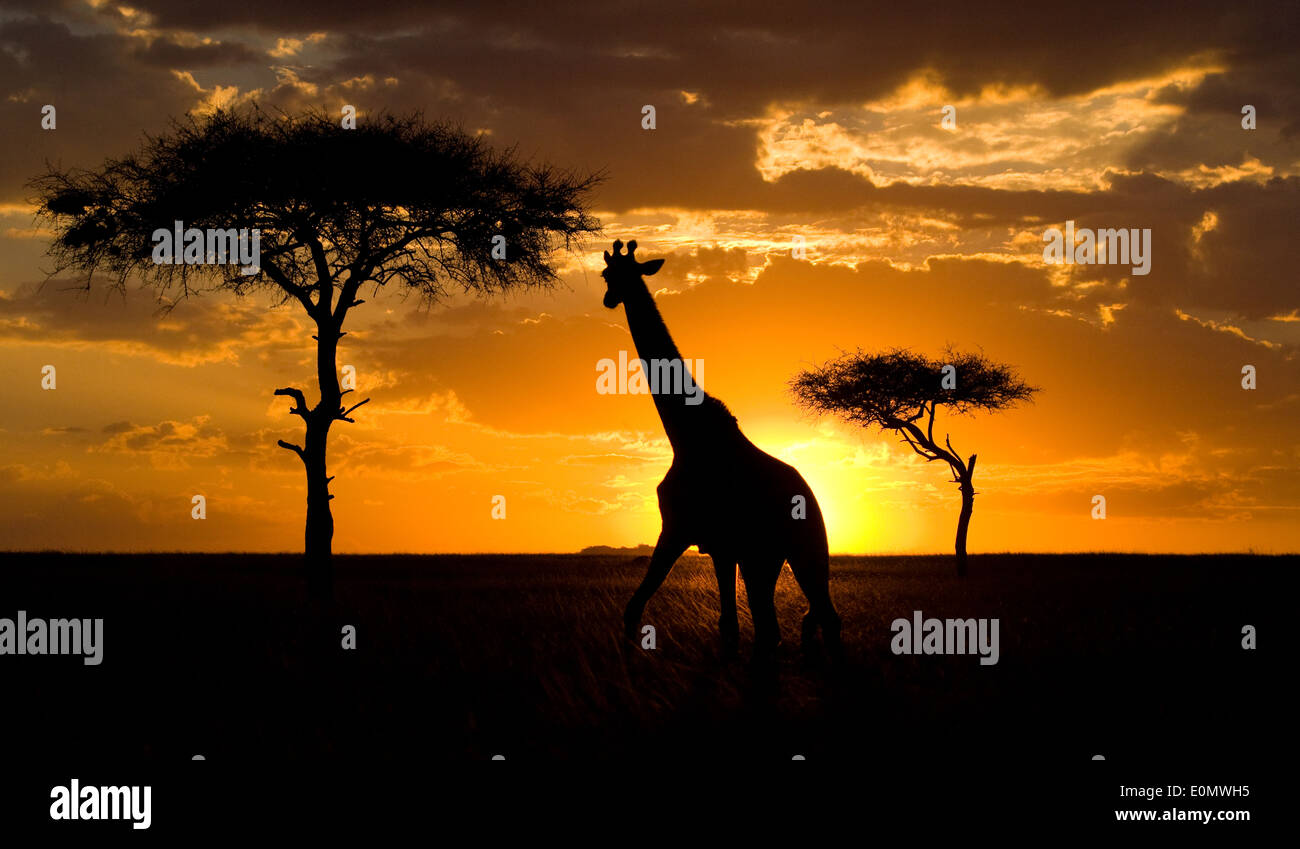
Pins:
x: 164, y: 53
x: 568, y: 84
x: 704, y: 263
x: 105, y: 99
x: 197, y: 330
x: 837, y: 52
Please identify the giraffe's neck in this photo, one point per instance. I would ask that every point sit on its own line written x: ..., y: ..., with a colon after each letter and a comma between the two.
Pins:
x: 653, y: 342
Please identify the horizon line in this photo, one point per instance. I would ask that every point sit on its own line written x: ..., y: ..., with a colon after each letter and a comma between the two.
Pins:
x: 618, y: 549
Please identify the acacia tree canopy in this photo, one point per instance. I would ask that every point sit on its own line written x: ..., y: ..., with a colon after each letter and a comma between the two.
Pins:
x: 886, y: 389
x: 397, y: 198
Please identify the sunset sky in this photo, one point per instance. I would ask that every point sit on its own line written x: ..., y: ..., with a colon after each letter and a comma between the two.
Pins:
x: 773, y: 121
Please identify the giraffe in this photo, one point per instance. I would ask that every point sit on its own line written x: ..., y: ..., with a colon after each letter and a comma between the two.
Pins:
x: 722, y: 493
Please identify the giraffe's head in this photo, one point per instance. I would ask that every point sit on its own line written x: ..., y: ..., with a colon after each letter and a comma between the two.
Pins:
x: 622, y: 272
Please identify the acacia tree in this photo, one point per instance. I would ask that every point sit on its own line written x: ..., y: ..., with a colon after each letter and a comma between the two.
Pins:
x: 395, y: 202
x: 902, y: 391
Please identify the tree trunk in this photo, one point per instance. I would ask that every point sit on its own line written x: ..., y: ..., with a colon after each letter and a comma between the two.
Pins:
x: 963, y: 521
x: 319, y: 535
x: 320, y: 522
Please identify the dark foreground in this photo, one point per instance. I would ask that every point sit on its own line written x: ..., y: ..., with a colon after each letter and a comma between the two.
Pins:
x: 460, y: 658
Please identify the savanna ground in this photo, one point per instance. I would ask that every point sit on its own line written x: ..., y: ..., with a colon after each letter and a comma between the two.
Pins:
x: 460, y: 658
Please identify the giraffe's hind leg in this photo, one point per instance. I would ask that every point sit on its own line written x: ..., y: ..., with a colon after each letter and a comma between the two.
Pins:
x: 812, y: 572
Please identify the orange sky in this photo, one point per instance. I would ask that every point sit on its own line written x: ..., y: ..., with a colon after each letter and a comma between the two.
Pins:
x: 917, y: 236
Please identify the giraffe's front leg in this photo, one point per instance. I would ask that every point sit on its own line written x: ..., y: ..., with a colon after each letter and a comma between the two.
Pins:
x: 667, y: 550
x: 632, y: 619
x: 728, y: 625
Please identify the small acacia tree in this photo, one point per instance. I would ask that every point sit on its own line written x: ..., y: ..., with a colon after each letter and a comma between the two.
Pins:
x: 395, y: 201
x: 901, y: 391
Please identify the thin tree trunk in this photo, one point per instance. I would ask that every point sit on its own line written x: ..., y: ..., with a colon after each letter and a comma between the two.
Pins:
x: 967, y: 507
x: 320, y: 521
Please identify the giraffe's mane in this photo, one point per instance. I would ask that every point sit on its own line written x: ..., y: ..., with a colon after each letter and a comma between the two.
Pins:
x: 718, y: 413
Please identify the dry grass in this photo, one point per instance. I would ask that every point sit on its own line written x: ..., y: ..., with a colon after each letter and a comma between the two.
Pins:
x: 464, y: 657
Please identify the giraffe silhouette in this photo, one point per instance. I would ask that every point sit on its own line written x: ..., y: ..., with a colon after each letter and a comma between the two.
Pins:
x: 724, y: 495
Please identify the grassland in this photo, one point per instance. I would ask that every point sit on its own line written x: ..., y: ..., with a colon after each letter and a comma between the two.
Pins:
x: 460, y: 658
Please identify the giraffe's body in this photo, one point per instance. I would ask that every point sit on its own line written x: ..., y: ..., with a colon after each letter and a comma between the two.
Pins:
x: 723, y: 494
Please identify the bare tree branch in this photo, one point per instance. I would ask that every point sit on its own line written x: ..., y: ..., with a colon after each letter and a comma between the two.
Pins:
x: 343, y: 416
x: 283, y: 281
x: 300, y: 408
x: 926, y: 454
x: 958, y: 466
x: 294, y: 448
